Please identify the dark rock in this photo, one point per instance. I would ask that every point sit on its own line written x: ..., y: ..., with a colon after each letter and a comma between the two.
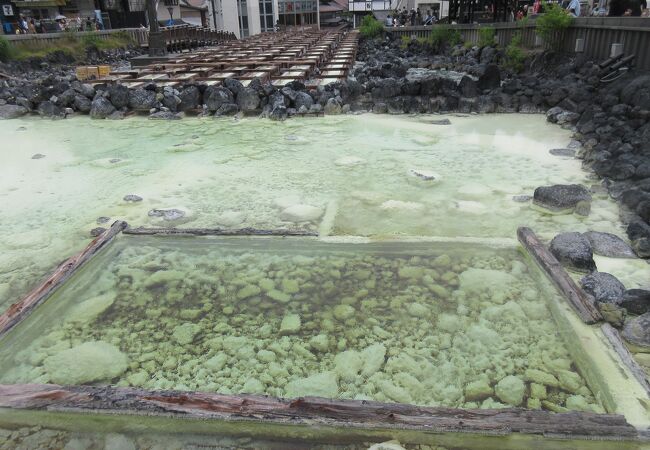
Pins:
x: 248, y: 100
x: 50, y: 109
x: 67, y: 97
x: 632, y: 197
x: 165, y: 115
x: 132, y: 198
x: 573, y: 250
x: 302, y: 99
x: 216, y: 97
x: 103, y: 219
x: 641, y: 247
x: 610, y: 245
x: 637, y: 229
x: 142, y: 99
x: 97, y: 231
x: 118, y: 95
x: 490, y: 77
x: 605, y: 287
x: 563, y: 152
x: 101, y: 108
x: 440, y: 122
x: 332, y: 107
x: 468, y: 87
x: 636, y: 301
x: 637, y: 92
x: 82, y: 104
x: 643, y: 210
x: 637, y: 330
x: 12, y: 111
x: 290, y: 93
x: 226, y: 109
x: 167, y: 214
x: 233, y: 86
x: 190, y: 98
x: 115, y: 115
x: 380, y: 108
x: 562, y: 197
x: 279, y: 113
x: 38, y: 156
x: 84, y: 89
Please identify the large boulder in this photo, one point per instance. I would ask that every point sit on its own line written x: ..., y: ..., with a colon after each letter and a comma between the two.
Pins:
x: 82, y: 103
x: 637, y: 331
x: 101, y: 108
x: 639, y: 233
x: 636, y: 301
x: 233, y: 85
x: 248, y: 100
x: 142, y: 99
x: 637, y: 92
x: 12, y: 111
x: 119, y: 95
x: 190, y: 98
x: 215, y: 97
x: 50, y: 109
x: 605, y: 288
x: 303, y: 99
x: 489, y: 77
x: 610, y: 245
x: 86, y: 363
x: 226, y: 109
x: 573, y: 250
x: 563, y: 198
x: 332, y: 107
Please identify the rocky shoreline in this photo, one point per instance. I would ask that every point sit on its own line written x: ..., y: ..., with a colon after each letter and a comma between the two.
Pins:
x: 610, y: 122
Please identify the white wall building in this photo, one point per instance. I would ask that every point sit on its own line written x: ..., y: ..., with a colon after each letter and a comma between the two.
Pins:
x: 248, y: 17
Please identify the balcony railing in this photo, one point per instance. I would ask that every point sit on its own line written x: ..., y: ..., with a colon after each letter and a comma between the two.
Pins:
x: 372, y: 5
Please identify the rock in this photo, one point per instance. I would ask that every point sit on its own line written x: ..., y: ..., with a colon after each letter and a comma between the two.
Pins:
x: 233, y: 85
x: 347, y: 365
x: 541, y: 377
x: 302, y: 99
x: 425, y: 175
x: 511, y: 390
x: 570, y: 152
x: 636, y: 301
x: 562, y: 197
x: 215, y: 97
x: 604, y: 287
x: 12, y: 111
x: 101, y: 108
x: 490, y: 78
x: 119, y: 95
x: 82, y: 104
x: 278, y: 113
x: 373, y: 358
x: 290, y: 324
x: 320, y: 343
x: 610, y: 245
x: 440, y: 122
x: 86, y: 363
x: 165, y: 115
x: 332, y: 107
x: 142, y: 99
x: 478, y: 390
x: 227, y: 109
x: 190, y: 97
x: 38, y: 156
x: 50, y: 109
x: 248, y: 100
x: 324, y: 384
x: 88, y: 310
x: 97, y: 231
x: 167, y: 214
x: 301, y: 213
x: 132, y: 198
x: 637, y: 331
x: 186, y: 333
x: 343, y: 312
x: 573, y: 250
x: 102, y: 219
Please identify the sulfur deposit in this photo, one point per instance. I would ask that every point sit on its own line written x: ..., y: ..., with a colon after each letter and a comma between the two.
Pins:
x: 430, y: 328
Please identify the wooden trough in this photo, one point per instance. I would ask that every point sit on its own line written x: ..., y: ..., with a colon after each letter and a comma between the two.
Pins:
x: 308, y: 411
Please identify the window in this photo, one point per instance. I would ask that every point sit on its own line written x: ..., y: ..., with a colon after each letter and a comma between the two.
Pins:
x: 266, y: 15
x: 242, y: 9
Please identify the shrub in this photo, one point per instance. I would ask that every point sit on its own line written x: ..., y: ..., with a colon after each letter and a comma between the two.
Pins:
x: 405, y: 42
x: 486, y: 36
x: 442, y: 35
x: 550, y: 24
x: 6, y: 52
x: 514, y: 54
x: 370, y: 27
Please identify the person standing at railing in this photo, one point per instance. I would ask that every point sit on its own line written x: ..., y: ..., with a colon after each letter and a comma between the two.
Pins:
x: 574, y: 8
x: 389, y: 21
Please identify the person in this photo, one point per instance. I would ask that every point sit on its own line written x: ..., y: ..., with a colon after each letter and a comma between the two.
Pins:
x: 22, y: 24
x: 413, y: 17
x: 537, y: 7
x: 574, y: 8
x: 428, y: 19
x: 418, y: 17
x: 389, y: 21
x: 31, y: 26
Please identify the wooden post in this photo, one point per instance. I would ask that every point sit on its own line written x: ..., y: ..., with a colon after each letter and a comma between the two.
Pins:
x: 313, y: 411
x: 63, y: 272
x: 582, y: 302
x: 141, y: 231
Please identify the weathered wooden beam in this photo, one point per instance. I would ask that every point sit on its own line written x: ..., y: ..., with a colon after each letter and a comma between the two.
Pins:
x: 614, y: 338
x: 582, y: 302
x: 312, y: 411
x: 16, y: 312
x: 215, y: 232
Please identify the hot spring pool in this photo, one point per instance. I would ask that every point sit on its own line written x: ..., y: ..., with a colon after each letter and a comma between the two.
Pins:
x: 348, y: 175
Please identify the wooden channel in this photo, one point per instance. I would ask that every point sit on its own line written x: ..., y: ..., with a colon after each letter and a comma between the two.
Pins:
x: 582, y: 302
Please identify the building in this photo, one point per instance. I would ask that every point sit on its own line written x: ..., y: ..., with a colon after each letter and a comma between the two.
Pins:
x: 248, y: 17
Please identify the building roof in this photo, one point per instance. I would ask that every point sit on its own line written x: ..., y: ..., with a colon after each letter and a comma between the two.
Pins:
x: 194, y: 4
x: 334, y: 6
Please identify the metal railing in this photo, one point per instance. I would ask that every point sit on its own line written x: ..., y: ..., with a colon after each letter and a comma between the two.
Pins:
x: 184, y: 37
x: 138, y: 35
x: 598, y: 33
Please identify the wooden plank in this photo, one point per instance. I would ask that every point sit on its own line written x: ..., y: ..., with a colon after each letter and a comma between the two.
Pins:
x: 582, y: 302
x: 62, y: 273
x: 215, y: 232
x: 614, y: 338
x: 312, y: 411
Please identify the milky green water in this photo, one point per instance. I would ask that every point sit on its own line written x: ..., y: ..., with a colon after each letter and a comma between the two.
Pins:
x: 342, y: 175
